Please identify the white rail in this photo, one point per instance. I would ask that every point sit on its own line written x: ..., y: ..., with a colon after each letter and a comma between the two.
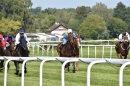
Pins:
x: 91, y: 62
x: 50, y: 50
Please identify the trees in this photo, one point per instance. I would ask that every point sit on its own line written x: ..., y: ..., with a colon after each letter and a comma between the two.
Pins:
x: 116, y: 26
x: 102, y: 10
x: 48, y: 21
x: 120, y: 11
x: 123, y: 12
x: 9, y: 25
x: 81, y: 13
x: 17, y: 10
x: 92, y: 27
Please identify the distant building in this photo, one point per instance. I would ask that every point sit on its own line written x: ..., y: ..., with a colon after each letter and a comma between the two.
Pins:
x: 56, y: 29
x: 54, y: 33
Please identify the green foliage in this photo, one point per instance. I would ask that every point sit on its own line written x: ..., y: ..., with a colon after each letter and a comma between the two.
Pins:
x: 73, y: 23
x: 102, y: 10
x: 81, y: 13
x: 123, y: 12
x: 18, y: 11
x: 116, y: 26
x: 120, y: 11
x: 48, y: 21
x: 92, y: 26
x: 36, y: 10
x: 9, y: 25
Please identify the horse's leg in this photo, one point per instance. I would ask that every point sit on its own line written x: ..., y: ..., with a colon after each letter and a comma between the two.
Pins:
x: 125, y: 57
x: 77, y: 64
x: 8, y: 65
x: 2, y: 65
x: 73, y: 67
x: 17, y: 67
x: 25, y: 69
x: 68, y: 64
x: 118, y: 55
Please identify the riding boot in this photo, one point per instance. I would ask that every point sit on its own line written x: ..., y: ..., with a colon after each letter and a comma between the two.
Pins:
x: 61, y: 46
x: 4, y: 51
x: 128, y: 45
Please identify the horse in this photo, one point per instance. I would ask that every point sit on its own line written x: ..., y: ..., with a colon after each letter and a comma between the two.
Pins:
x: 76, y: 48
x: 8, y: 52
x: 67, y: 50
x: 21, y: 51
x: 123, y: 48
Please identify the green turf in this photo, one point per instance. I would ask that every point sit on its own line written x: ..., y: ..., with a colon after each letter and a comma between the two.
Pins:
x: 101, y: 74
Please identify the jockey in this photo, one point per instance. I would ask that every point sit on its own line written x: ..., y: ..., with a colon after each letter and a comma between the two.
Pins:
x: 20, y: 36
x: 2, y: 43
x: 9, y: 38
x: 122, y: 35
x: 65, y: 36
x: 121, y: 38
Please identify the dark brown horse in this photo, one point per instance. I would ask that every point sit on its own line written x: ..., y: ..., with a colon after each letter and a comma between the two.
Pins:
x: 67, y: 50
x: 8, y: 52
x: 76, y: 49
x: 123, y: 48
x: 21, y: 51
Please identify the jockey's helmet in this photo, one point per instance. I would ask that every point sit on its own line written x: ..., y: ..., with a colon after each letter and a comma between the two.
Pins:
x: 9, y: 35
x: 69, y: 31
x: 1, y: 36
x: 21, y: 31
x: 123, y: 33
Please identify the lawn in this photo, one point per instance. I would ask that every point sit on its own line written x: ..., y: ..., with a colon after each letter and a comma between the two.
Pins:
x: 101, y: 74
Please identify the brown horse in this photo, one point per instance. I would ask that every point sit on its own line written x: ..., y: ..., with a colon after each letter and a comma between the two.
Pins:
x: 21, y: 51
x: 67, y: 50
x: 123, y: 48
x: 76, y: 49
x: 8, y: 52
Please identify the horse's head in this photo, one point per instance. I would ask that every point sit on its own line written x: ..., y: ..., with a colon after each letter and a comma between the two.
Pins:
x: 12, y: 45
x: 78, y: 40
x: 22, y: 51
x: 125, y: 38
x: 71, y: 38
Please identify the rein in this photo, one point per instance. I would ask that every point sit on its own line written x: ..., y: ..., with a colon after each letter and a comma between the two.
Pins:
x: 123, y: 48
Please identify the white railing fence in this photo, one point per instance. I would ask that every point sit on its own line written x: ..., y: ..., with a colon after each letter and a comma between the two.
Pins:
x: 95, y: 51
x: 91, y: 62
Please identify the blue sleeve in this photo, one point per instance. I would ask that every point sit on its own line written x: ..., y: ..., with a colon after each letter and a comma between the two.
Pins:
x: 74, y: 35
x: 64, y: 36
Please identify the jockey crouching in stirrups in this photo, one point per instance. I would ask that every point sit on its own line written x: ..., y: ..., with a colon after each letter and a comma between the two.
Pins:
x: 9, y: 38
x: 21, y: 38
x: 121, y: 39
x: 3, y: 44
x: 65, y: 36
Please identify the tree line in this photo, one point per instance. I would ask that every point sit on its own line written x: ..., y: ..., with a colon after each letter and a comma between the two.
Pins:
x: 97, y: 22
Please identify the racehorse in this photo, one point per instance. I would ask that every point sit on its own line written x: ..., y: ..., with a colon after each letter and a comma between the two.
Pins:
x: 76, y: 48
x: 123, y: 48
x: 67, y: 50
x: 21, y: 51
x: 9, y: 52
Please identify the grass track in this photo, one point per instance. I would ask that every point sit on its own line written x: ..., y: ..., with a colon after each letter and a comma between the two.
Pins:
x: 101, y: 74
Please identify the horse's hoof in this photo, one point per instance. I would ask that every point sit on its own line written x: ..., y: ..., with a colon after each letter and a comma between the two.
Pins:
x: 16, y: 73
x: 20, y: 74
x: 73, y: 71
x: 1, y: 68
x: 25, y: 71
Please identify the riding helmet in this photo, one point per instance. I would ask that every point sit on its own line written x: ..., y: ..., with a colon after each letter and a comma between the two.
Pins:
x: 21, y: 31
x: 1, y: 36
x: 69, y: 30
x: 123, y: 33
